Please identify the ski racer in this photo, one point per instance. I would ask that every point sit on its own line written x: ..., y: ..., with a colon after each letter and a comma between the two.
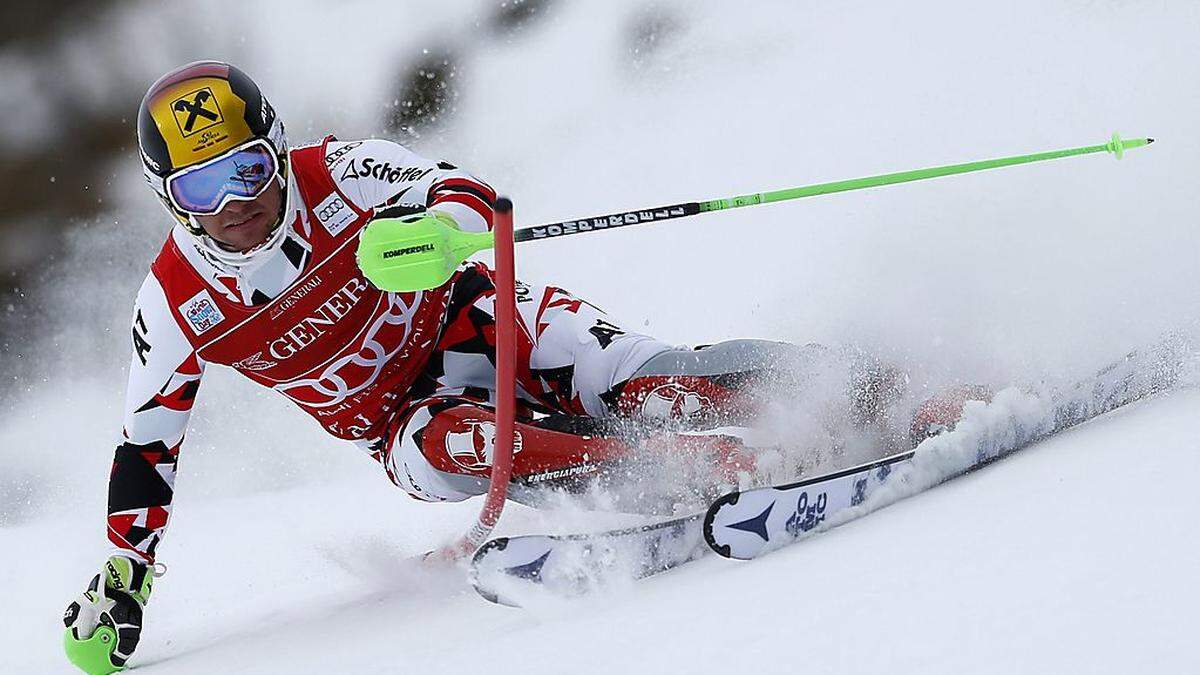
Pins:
x: 258, y: 274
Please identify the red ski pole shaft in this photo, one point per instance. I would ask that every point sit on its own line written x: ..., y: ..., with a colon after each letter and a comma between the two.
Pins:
x: 506, y: 374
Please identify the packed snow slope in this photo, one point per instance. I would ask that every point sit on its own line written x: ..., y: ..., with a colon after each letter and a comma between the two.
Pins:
x: 1074, y: 555
x: 286, y: 547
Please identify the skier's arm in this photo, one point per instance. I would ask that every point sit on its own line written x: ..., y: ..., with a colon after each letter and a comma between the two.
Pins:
x: 379, y: 174
x: 164, y: 375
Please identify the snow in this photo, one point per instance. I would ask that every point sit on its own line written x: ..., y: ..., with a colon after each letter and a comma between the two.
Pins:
x: 288, y: 551
x: 1074, y: 555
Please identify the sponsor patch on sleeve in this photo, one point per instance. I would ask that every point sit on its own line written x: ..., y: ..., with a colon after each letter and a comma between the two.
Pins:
x: 201, y: 313
x: 335, y: 214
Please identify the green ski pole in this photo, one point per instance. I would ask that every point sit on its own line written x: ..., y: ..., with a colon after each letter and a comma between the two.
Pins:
x: 414, y: 253
x: 1116, y: 145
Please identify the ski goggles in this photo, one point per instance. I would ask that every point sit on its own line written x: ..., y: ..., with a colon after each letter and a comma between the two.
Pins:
x: 240, y: 174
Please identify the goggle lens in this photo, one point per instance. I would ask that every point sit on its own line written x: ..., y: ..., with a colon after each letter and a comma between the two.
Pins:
x: 240, y: 175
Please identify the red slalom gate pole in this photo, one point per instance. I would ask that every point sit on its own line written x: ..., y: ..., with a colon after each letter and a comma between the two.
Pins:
x: 506, y: 377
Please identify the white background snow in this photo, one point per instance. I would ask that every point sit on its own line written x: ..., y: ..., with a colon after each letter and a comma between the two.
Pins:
x: 288, y: 551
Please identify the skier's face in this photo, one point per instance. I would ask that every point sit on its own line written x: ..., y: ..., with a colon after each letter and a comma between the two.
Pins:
x: 242, y: 225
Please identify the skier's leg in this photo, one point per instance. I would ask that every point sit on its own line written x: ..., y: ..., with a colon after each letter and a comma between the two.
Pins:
x: 571, y: 357
x: 730, y: 383
x: 570, y: 354
x: 724, y: 383
x: 798, y: 405
x: 441, y: 449
x: 575, y: 359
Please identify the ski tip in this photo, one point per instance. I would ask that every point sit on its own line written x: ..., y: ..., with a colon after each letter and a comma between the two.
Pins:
x: 504, y: 205
x: 1149, y: 141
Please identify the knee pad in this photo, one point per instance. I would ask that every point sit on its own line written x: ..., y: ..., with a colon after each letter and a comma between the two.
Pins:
x: 432, y: 461
x: 443, y: 451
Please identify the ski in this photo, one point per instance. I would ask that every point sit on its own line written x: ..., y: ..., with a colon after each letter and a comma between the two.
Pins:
x: 745, y: 524
x: 508, y: 570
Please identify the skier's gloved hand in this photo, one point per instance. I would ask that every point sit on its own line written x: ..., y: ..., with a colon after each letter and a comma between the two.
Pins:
x: 105, y: 623
x: 415, y: 252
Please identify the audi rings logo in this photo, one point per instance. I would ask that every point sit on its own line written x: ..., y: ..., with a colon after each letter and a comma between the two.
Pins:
x: 334, y: 214
x: 330, y: 209
x: 346, y: 376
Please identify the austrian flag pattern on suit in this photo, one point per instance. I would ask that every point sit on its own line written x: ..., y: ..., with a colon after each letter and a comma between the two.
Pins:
x: 305, y: 322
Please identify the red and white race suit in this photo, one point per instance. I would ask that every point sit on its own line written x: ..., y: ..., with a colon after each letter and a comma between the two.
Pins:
x: 306, y: 323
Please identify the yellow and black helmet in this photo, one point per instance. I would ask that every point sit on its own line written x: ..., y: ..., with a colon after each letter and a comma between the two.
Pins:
x: 197, y: 112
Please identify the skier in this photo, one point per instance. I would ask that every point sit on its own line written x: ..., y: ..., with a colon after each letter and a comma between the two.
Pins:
x: 259, y: 274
